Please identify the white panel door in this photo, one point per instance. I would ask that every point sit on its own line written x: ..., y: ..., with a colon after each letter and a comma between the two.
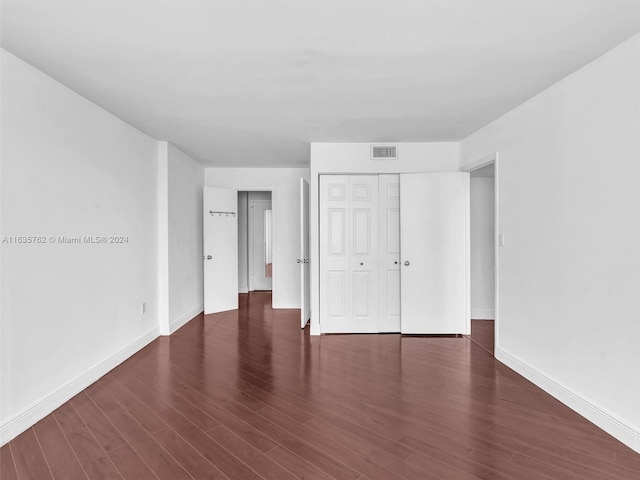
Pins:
x: 334, y: 257
x: 220, y: 232
x: 348, y: 253
x: 434, y: 226
x: 364, y: 254
x: 305, y: 274
x: 389, y: 230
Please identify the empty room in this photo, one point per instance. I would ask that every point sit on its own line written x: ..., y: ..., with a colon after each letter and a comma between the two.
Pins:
x: 299, y: 239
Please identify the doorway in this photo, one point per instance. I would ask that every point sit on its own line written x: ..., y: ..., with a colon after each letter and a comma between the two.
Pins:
x: 255, y: 241
x: 483, y: 254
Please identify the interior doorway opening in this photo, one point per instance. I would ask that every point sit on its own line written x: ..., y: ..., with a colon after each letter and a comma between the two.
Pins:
x: 255, y: 241
x: 483, y: 253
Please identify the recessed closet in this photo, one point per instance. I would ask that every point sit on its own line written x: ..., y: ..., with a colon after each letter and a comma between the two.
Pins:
x: 394, y: 253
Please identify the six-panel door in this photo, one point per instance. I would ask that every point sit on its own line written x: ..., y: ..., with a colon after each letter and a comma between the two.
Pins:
x: 389, y: 232
x: 349, y: 254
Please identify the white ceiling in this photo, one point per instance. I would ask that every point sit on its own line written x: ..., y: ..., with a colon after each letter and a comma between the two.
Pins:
x: 252, y: 82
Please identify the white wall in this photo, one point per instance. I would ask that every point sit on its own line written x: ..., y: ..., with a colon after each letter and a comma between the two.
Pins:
x: 356, y: 158
x: 185, y: 184
x: 285, y: 186
x: 482, y: 248
x: 568, y: 181
x: 70, y: 312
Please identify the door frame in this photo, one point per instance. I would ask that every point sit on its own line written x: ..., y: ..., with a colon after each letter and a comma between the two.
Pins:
x: 492, y: 158
x: 251, y: 235
x: 274, y: 232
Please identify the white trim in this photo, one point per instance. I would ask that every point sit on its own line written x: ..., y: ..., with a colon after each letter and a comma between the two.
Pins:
x: 243, y: 289
x: 483, y: 314
x: 314, y: 248
x: 285, y: 306
x: 496, y: 249
x: 467, y: 253
x: 609, y: 422
x: 255, y: 188
x: 481, y: 162
x: 185, y: 317
x: 18, y: 423
x: 250, y: 272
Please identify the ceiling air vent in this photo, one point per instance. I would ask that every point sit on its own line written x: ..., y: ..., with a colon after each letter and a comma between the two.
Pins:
x: 384, y: 152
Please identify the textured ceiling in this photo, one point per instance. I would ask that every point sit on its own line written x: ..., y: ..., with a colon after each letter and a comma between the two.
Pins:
x: 252, y: 82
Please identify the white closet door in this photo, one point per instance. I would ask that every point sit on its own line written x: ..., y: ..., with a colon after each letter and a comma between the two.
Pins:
x: 389, y: 229
x: 348, y: 253
x: 334, y: 257
x: 434, y: 225
x: 364, y: 254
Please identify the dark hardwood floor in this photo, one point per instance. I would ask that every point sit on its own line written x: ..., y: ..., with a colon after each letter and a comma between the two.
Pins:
x: 482, y: 334
x: 248, y: 395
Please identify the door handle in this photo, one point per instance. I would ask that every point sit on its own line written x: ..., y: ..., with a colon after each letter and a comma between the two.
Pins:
x: 406, y: 263
x: 209, y: 257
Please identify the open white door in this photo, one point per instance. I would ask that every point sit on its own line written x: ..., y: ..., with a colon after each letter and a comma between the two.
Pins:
x: 305, y: 275
x: 434, y: 226
x: 220, y: 229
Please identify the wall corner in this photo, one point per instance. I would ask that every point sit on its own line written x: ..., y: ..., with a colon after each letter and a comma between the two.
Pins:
x: 164, y: 326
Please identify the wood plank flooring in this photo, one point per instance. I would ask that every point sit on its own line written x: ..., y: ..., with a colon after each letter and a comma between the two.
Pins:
x: 482, y: 334
x: 247, y: 395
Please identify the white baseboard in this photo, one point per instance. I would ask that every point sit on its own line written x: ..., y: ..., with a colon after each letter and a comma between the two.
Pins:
x: 185, y: 317
x: 483, y: 314
x: 243, y: 289
x: 18, y: 423
x: 314, y: 329
x: 278, y: 306
x: 609, y: 422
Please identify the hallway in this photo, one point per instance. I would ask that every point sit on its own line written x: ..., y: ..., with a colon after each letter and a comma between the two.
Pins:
x: 247, y: 395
